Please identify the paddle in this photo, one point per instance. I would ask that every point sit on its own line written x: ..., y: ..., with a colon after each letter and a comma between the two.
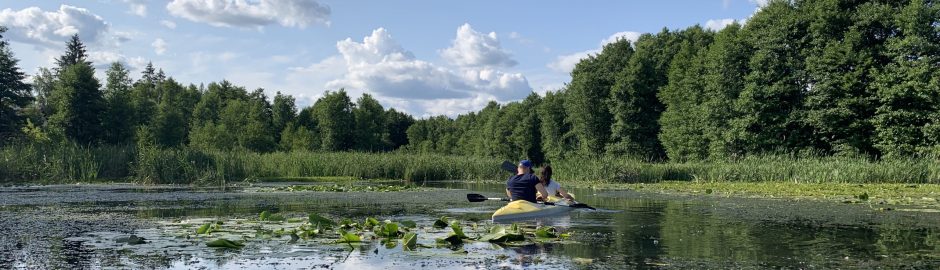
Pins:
x: 480, y: 198
x: 508, y: 166
x: 472, y: 197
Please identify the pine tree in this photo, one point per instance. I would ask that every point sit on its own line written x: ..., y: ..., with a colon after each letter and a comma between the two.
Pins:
x: 14, y: 92
x: 74, y: 54
x: 79, y: 105
x: 118, y: 120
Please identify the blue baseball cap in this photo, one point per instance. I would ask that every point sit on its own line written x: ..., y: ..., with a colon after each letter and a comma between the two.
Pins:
x: 525, y: 163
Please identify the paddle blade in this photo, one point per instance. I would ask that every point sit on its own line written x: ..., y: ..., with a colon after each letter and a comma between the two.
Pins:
x: 508, y: 166
x: 581, y: 205
x: 476, y: 198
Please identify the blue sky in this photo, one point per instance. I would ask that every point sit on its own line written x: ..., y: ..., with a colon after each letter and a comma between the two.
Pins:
x: 424, y: 57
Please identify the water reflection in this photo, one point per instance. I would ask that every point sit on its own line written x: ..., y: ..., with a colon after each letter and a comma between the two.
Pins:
x: 631, y: 231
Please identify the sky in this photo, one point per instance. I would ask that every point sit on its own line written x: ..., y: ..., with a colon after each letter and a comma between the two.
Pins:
x: 424, y: 57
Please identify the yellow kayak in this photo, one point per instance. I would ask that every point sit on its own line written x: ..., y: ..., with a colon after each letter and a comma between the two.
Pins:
x: 521, y: 209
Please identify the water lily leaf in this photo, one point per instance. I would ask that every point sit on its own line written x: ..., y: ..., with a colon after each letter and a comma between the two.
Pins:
x: 410, y: 241
x: 345, y: 237
x: 390, y: 243
x: 500, y: 234
x: 264, y: 215
x: 409, y: 224
x: 370, y: 222
x: 204, y: 229
x: 545, y: 232
x: 347, y: 224
x: 322, y: 222
x: 441, y: 223
x: 225, y: 243
x: 453, y: 239
x: 458, y: 230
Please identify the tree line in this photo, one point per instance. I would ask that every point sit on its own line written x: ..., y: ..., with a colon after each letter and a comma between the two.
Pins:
x: 67, y: 103
x: 811, y: 77
x: 814, y: 77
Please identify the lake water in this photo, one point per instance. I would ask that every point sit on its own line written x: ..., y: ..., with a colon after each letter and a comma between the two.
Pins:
x: 76, y: 227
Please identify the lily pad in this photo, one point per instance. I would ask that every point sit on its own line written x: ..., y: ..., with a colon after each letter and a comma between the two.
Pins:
x: 347, y: 237
x: 370, y: 222
x: 441, y: 223
x: 322, y: 222
x: 204, y: 229
x: 546, y: 232
x: 409, y: 224
x: 225, y: 243
x: 410, y: 241
x: 500, y: 234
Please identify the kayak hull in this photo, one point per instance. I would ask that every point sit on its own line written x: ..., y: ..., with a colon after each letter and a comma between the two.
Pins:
x: 521, y: 209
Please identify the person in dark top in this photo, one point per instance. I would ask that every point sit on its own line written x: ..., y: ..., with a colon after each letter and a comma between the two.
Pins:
x: 524, y: 185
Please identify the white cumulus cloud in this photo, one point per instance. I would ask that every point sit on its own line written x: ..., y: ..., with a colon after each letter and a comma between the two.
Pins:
x: 378, y: 64
x: 717, y: 25
x: 51, y: 29
x: 251, y: 14
x: 137, y: 7
x: 566, y: 63
x: 159, y: 46
x: 474, y: 49
x: 168, y: 24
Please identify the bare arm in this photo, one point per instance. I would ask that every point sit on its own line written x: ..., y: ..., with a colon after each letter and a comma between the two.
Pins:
x: 540, y: 188
x: 565, y: 194
x: 508, y: 194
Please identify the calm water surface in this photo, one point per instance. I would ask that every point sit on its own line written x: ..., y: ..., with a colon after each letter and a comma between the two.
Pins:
x: 74, y: 227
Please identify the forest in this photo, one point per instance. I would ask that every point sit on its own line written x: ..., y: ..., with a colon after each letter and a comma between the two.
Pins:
x: 804, y: 78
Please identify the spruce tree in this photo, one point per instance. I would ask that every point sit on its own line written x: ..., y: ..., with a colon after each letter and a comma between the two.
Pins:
x: 14, y: 92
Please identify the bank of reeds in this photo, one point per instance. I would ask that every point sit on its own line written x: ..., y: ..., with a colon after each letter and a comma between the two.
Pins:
x: 755, y: 169
x: 65, y: 163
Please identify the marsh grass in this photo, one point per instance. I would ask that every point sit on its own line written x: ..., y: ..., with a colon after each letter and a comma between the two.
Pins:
x: 66, y: 163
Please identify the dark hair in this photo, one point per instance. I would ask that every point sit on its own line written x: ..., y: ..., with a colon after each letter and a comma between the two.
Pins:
x: 546, y: 175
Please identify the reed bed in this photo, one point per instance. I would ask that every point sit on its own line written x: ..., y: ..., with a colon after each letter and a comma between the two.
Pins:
x: 68, y: 163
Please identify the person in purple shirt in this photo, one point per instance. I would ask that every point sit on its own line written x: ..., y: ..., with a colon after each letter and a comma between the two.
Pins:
x: 524, y: 185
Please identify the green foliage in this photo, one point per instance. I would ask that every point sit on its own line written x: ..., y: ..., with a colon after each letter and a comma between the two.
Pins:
x: 118, y: 120
x: 370, y: 130
x: 78, y: 104
x: 591, y: 86
x: 683, y: 132
x: 410, y: 241
x: 335, y: 121
x: 633, y: 104
x: 319, y: 221
x: 14, y: 92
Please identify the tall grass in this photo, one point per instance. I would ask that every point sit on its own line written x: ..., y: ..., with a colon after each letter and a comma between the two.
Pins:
x: 62, y: 163
x: 755, y: 169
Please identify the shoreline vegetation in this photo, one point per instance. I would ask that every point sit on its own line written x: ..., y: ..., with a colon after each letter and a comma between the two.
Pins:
x: 804, y: 93
x: 63, y: 163
x: 837, y: 179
